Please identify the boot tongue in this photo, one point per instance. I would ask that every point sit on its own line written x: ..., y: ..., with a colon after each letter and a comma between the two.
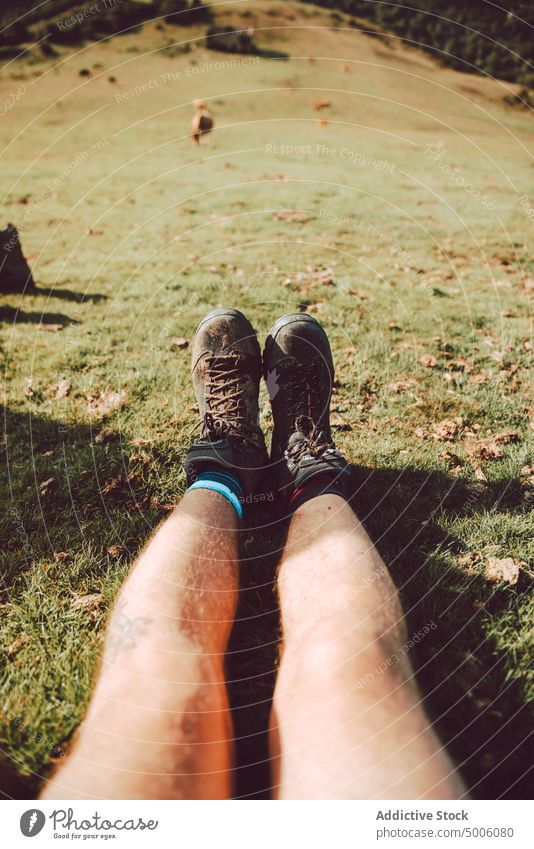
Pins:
x: 297, y: 440
x: 218, y: 430
x: 215, y: 429
x: 304, y: 427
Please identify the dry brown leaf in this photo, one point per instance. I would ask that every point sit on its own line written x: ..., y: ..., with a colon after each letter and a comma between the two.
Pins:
x: 105, y: 402
x: 460, y: 365
x: 51, y: 328
x: 62, y: 389
x: 506, y: 437
x: 479, y: 449
x: 92, y: 602
x: 45, y: 486
x: 139, y: 442
x: 402, y: 385
x: 60, y: 556
x: 452, y: 460
x: 292, y: 215
x: 107, y: 434
x: 448, y: 430
x: 141, y: 457
x: 503, y: 569
x: 116, y: 551
x: 178, y: 344
x: 421, y: 432
x: 428, y: 361
x: 479, y: 378
x: 114, y: 484
x: 340, y: 424
x: 17, y: 644
x: 470, y: 561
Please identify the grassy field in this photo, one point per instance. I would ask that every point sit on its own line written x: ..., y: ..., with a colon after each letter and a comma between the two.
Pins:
x: 397, y: 216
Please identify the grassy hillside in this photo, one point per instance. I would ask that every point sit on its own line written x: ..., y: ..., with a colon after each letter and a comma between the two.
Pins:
x: 398, y: 215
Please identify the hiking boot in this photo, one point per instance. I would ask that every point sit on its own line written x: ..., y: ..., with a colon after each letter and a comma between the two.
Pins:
x: 226, y: 372
x: 299, y: 372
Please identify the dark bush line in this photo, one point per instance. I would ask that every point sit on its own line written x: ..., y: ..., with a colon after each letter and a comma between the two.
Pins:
x: 15, y: 30
x: 472, y: 37
x: 68, y: 22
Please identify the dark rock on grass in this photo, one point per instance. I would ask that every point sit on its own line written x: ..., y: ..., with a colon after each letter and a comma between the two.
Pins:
x: 230, y: 40
x: 15, y: 273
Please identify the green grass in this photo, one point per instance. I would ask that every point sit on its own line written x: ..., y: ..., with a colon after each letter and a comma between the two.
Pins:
x: 397, y: 263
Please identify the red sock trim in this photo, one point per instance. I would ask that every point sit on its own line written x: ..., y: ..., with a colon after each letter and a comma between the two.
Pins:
x: 316, y: 483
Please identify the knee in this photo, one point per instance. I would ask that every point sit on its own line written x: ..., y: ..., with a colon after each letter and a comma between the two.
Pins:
x: 356, y: 659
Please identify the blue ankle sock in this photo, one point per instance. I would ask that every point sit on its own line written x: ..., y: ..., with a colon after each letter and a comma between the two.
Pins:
x: 225, y: 484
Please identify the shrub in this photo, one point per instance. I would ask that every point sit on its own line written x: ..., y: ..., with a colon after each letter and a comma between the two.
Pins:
x: 181, y: 12
x: 470, y: 36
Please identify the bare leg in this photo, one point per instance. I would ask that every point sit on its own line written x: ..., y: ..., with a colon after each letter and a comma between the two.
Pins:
x: 347, y: 717
x: 158, y: 725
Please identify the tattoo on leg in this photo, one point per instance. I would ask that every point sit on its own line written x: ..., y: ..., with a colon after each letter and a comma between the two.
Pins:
x: 124, y: 631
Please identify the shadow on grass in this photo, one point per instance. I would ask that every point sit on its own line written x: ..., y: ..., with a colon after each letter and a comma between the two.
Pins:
x: 477, y: 707
x: 252, y: 657
x: 15, y: 315
x: 270, y: 54
x: 12, y: 785
x: 36, y: 522
x: 57, y: 480
x: 69, y: 295
x: 11, y: 315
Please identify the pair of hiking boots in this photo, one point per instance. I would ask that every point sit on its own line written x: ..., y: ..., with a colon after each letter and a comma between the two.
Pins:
x: 297, y: 366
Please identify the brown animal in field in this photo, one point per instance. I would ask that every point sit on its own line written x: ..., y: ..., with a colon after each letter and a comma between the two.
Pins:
x: 322, y: 104
x: 202, y: 123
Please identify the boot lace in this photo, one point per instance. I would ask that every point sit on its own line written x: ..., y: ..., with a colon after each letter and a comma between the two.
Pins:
x: 303, y: 386
x: 307, y: 439
x: 227, y: 414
